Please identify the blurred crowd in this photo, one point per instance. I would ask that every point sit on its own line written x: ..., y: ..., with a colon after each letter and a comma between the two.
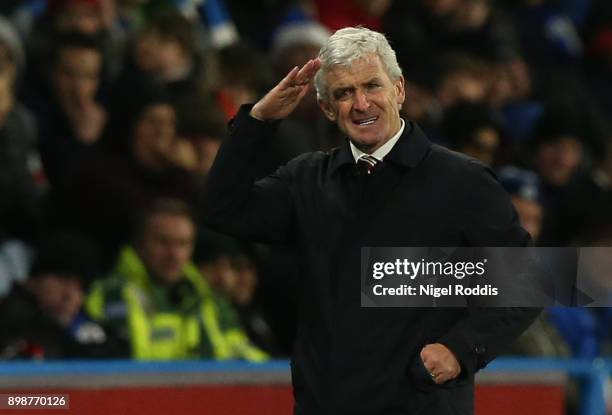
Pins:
x: 112, y: 111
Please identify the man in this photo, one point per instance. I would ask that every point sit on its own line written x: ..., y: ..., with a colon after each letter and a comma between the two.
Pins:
x: 161, y: 302
x: 22, y: 181
x: 472, y: 129
x: 387, y: 186
x: 42, y: 317
x: 66, y: 107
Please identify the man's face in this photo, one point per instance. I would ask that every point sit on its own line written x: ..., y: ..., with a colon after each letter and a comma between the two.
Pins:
x: 159, y: 56
x: 59, y: 296
x: 167, y: 245
x: 153, y: 134
x: 484, y: 145
x: 364, y: 102
x: 206, y: 151
x: 77, y: 75
x: 558, y: 160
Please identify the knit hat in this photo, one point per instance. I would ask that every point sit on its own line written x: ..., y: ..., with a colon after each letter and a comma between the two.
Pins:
x: 298, y: 34
x: 68, y: 255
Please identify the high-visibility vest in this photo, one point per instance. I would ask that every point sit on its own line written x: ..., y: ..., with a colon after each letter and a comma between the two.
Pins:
x: 167, y: 335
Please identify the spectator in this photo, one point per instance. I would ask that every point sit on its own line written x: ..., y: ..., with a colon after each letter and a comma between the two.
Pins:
x: 43, y: 317
x: 161, y: 302
x: 22, y: 182
x: 423, y: 29
x: 462, y: 78
x: 548, y: 35
x: 69, y: 116
x: 306, y: 129
x: 164, y: 53
x: 201, y: 128
x: 523, y: 187
x: 585, y: 210
x: 133, y: 165
x: 230, y: 271
x: 558, y: 147
x: 472, y: 129
x: 243, y: 76
x: 56, y: 18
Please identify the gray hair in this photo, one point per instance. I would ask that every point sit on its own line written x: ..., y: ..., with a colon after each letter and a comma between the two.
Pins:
x: 350, y: 44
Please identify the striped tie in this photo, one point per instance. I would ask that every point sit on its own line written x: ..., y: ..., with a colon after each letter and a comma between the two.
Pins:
x: 366, y: 164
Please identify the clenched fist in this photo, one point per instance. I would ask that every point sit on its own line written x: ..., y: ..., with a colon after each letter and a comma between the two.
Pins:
x: 440, y: 362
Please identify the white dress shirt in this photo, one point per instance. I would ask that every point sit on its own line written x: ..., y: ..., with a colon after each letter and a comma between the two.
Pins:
x: 381, y: 152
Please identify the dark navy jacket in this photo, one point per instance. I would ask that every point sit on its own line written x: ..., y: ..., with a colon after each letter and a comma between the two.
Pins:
x: 348, y: 359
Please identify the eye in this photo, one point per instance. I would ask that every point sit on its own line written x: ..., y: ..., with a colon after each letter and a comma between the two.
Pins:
x: 342, y: 94
x: 372, y: 85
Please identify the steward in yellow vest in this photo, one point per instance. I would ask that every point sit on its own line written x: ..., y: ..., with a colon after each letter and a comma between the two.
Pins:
x: 172, y: 314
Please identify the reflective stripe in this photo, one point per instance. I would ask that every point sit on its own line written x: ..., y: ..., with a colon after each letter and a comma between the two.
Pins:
x: 209, y: 314
x: 137, y: 323
x: 242, y: 348
x: 166, y: 338
x: 192, y: 337
x: 94, y: 303
x: 210, y: 321
x: 156, y: 335
x: 132, y: 268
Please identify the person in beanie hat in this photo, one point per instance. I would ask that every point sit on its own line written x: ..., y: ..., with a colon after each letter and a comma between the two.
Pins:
x: 43, y: 317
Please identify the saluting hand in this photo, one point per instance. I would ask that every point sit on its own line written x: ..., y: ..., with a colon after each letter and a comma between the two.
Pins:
x: 284, y: 97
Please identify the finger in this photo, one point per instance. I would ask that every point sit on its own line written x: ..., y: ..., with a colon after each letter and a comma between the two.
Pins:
x: 289, y: 80
x: 429, y: 366
x: 304, y: 91
x: 438, y: 376
x: 314, y: 67
x: 443, y: 378
x: 302, y: 76
x: 440, y: 379
x: 425, y: 354
x: 307, y: 72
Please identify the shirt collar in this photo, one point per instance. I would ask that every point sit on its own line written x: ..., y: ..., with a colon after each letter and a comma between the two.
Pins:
x: 381, y: 152
x: 410, y: 148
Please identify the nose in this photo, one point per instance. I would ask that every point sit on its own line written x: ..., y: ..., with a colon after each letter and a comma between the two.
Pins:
x: 360, y: 102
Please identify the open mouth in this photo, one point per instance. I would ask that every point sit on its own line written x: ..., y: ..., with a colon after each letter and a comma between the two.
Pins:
x: 366, y: 121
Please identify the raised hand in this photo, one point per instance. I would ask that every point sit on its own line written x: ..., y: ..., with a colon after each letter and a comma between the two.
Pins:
x: 284, y: 97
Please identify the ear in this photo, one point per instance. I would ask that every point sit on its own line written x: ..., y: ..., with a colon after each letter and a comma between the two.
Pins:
x: 400, y: 91
x: 327, y: 110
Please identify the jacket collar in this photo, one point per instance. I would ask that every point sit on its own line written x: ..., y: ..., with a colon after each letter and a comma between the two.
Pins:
x: 408, y: 152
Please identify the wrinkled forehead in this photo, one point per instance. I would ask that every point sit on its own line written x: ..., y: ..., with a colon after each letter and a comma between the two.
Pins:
x: 366, y: 67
